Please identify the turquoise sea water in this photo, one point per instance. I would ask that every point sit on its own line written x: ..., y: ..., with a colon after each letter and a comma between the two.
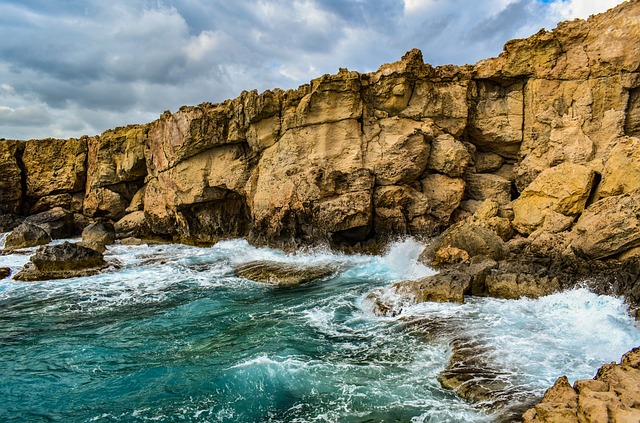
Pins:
x: 173, y: 335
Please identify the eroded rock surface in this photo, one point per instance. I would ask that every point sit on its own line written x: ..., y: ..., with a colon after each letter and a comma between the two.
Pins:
x: 282, y: 274
x: 613, y: 395
x: 61, y: 261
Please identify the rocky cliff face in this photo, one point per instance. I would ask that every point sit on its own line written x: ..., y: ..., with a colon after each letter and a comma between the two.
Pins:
x: 548, y: 131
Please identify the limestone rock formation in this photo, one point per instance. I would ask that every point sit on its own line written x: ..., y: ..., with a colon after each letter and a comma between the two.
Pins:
x: 612, y: 395
x: 608, y: 227
x: 11, y: 194
x: 475, y: 240
x: 61, y: 261
x: 282, y: 274
x: 26, y: 235
x: 98, y: 235
x: 351, y: 159
x: 562, y: 189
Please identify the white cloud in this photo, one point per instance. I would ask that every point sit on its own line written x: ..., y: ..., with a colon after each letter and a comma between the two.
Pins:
x: 69, y: 68
x: 571, y: 9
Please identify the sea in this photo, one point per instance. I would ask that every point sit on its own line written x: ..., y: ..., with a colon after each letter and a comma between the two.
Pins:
x: 168, y: 333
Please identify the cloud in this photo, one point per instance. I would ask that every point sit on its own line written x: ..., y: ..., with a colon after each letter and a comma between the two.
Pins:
x: 73, y: 68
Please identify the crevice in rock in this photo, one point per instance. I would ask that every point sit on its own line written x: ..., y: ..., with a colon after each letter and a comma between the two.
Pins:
x: 632, y: 116
x: 597, y: 178
x: 23, y: 206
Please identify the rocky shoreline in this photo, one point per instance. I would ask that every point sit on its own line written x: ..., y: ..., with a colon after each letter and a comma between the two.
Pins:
x: 526, y: 167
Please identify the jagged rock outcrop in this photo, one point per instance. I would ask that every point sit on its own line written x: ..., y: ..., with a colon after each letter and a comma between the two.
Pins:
x: 61, y: 261
x: 543, y: 131
x: 613, y: 395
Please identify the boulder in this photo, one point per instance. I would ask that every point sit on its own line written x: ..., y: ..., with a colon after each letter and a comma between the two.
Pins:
x: 444, y: 195
x: 488, y: 162
x: 487, y: 186
x: 5, y: 272
x: 612, y: 395
x: 26, y: 235
x: 282, y: 274
x: 512, y: 286
x: 621, y: 172
x: 58, y: 222
x: 608, y: 227
x: 446, y: 286
x: 61, y: 261
x: 98, y: 235
x: 132, y: 225
x: 448, y: 156
x: 563, y: 189
x: 475, y: 240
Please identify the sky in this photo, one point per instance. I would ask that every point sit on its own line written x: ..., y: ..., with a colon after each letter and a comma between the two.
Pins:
x: 78, y: 67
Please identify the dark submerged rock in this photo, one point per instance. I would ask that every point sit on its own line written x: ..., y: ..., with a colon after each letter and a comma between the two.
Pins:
x: 61, y: 261
x: 282, y: 274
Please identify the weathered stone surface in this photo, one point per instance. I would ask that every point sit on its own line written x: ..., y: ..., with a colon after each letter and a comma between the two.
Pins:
x: 613, y: 395
x: 488, y: 162
x: 608, y: 227
x: 496, y: 120
x: 621, y: 172
x: 282, y: 274
x: 487, y: 186
x: 563, y: 189
x: 9, y: 222
x: 132, y: 225
x: 61, y: 261
x: 55, y: 166
x: 448, y: 156
x: 10, y: 177
x: 446, y: 286
x: 401, y: 210
x: 98, y: 235
x: 475, y: 240
x: 444, y: 195
x: 5, y: 272
x: 512, y: 286
x: 26, y: 235
x: 398, y: 150
x: 58, y: 222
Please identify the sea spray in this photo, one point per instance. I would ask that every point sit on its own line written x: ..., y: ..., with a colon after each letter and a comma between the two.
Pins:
x: 172, y: 335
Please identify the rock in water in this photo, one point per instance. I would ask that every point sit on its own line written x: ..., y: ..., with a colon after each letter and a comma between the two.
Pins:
x: 5, y: 272
x: 61, y: 261
x: 612, y: 396
x: 98, y: 235
x: 26, y: 235
x: 282, y: 274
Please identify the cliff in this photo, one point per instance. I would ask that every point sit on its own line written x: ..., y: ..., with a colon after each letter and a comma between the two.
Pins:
x: 548, y: 131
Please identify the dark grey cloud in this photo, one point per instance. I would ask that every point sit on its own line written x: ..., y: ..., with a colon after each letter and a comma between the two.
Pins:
x: 73, y: 67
